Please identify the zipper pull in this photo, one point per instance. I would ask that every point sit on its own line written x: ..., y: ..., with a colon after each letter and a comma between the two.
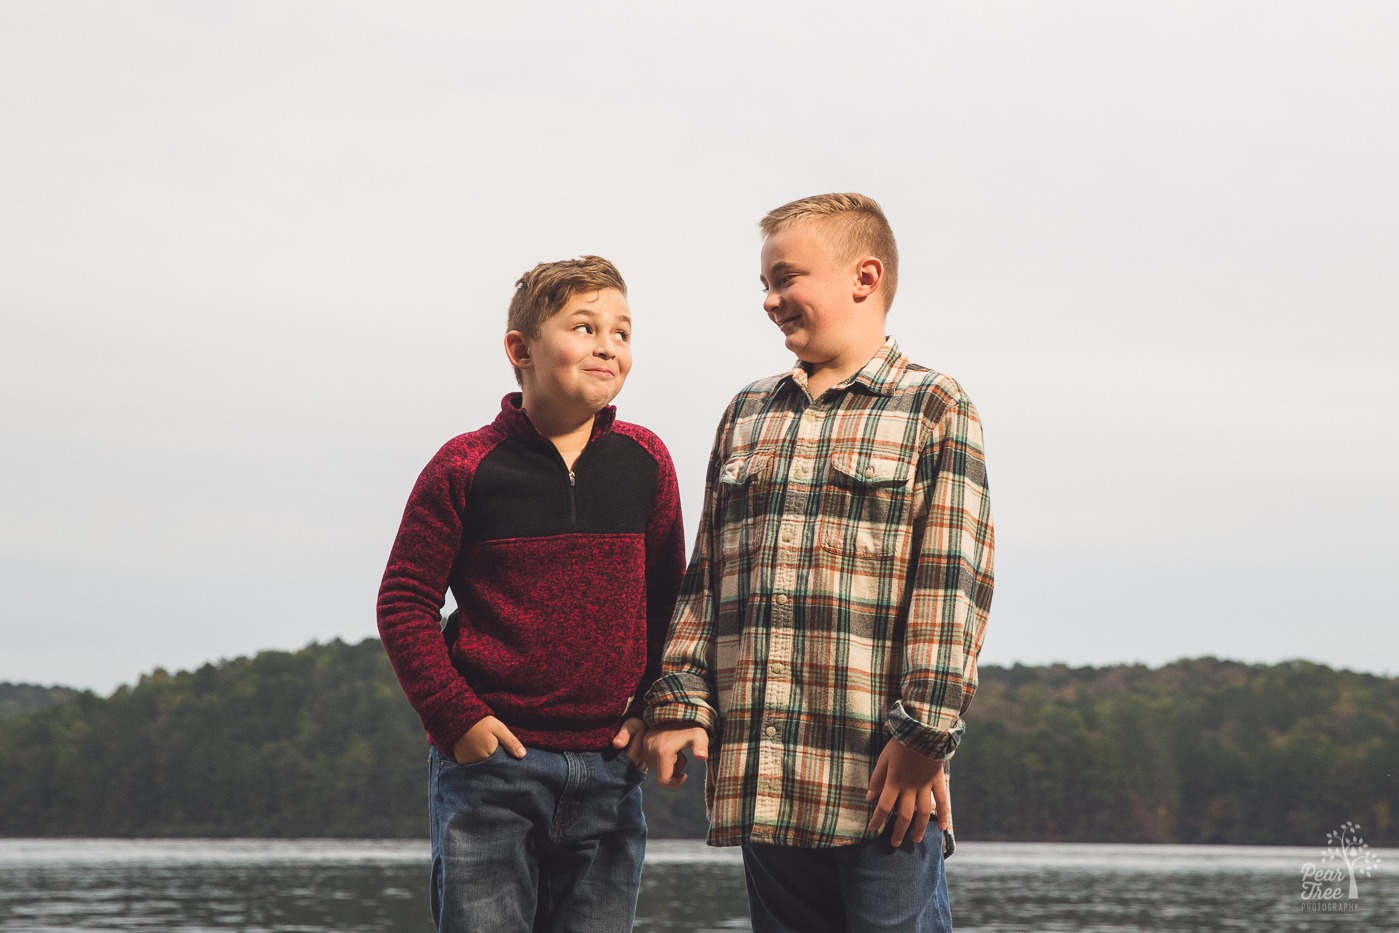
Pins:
x: 571, y: 481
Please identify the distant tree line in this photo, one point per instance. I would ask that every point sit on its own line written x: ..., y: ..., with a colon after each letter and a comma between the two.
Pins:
x: 18, y: 699
x: 320, y: 742
x: 1199, y: 751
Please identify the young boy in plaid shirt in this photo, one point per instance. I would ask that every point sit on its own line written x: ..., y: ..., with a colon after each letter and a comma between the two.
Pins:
x: 824, y: 645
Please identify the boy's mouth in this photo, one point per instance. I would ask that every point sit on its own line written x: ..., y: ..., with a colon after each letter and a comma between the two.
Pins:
x: 784, y: 322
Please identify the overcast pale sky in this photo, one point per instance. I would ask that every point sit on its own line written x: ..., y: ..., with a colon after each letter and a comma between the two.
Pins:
x: 255, y: 258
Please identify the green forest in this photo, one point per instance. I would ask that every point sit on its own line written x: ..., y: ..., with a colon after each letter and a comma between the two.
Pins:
x: 320, y: 742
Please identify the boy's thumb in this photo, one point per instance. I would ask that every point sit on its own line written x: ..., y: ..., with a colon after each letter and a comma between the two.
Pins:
x: 513, y: 745
x: 702, y: 747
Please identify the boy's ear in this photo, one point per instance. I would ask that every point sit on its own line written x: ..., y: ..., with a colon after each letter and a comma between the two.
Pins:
x: 517, y: 349
x: 867, y: 277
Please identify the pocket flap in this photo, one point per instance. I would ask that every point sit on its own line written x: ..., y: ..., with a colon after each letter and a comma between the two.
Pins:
x: 739, y: 471
x: 868, y: 470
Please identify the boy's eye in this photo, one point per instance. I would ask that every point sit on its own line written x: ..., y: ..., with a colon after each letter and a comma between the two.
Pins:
x: 625, y: 335
x: 585, y: 328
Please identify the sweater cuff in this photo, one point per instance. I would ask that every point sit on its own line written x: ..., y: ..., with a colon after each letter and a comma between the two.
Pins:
x: 454, y: 720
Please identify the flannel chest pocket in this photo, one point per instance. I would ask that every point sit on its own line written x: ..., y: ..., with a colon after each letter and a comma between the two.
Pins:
x: 865, y: 514
x: 744, y: 485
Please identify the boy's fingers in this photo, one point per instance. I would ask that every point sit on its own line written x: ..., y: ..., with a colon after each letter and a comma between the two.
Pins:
x: 701, y: 745
x: 911, y: 812
x: 942, y: 804
x: 921, y: 815
x: 512, y: 745
x: 668, y: 766
x: 881, y: 771
x: 623, y: 737
x: 901, y: 824
x: 672, y: 773
x: 880, y: 818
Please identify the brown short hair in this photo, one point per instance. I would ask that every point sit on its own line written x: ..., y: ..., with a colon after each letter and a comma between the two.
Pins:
x: 543, y: 291
x: 856, y: 225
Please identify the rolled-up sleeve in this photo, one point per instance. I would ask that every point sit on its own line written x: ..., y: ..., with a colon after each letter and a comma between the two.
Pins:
x: 952, y: 579
x: 685, y: 691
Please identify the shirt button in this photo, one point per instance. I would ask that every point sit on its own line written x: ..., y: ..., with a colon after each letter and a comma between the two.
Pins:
x: 787, y: 537
x: 772, y: 732
x: 800, y: 472
x: 777, y: 667
x: 781, y: 599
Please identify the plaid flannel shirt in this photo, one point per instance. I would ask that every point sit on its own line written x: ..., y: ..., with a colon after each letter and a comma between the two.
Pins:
x: 837, y: 595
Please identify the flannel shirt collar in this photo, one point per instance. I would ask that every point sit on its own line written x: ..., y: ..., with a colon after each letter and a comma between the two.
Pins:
x: 880, y: 375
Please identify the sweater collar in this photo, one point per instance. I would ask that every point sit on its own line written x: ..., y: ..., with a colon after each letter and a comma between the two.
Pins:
x: 516, y: 423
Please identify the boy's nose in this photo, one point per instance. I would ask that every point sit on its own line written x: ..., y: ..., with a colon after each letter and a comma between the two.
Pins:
x: 771, y: 302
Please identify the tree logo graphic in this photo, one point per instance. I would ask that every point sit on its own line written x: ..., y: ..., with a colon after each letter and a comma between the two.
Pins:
x: 1329, y: 881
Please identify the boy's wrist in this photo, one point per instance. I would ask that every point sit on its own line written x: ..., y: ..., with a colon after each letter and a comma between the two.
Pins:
x: 930, y: 742
x: 679, y: 716
x: 446, y: 735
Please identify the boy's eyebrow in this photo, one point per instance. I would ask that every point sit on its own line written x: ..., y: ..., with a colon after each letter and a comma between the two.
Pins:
x: 778, y: 268
x: 589, y: 312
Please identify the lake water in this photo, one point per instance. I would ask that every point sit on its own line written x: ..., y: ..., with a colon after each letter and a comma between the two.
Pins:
x: 319, y: 886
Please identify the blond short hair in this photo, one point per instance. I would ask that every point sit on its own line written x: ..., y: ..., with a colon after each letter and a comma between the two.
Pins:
x: 856, y: 227
x: 543, y: 291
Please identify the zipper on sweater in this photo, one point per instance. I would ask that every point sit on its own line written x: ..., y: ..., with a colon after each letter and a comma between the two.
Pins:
x: 572, y: 497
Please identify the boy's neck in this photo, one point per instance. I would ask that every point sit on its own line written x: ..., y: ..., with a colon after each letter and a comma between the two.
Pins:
x: 821, y: 375
x: 568, y: 431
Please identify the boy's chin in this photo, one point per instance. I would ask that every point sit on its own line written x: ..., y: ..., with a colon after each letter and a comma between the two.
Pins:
x: 602, y: 400
x: 800, y: 345
x: 593, y: 402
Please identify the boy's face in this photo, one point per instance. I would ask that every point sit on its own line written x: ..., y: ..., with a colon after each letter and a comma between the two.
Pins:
x: 810, y: 294
x: 582, y: 354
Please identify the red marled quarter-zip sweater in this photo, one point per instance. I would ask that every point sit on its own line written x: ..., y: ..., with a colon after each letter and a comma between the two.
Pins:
x: 564, y: 582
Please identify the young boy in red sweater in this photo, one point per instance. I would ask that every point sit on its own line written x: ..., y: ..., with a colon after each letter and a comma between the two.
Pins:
x: 557, y: 529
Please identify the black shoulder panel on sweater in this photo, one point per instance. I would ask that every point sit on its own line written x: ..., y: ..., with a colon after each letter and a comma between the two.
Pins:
x: 522, y: 490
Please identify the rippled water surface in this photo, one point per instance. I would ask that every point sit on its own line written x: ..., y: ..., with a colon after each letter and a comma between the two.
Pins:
x: 319, y: 886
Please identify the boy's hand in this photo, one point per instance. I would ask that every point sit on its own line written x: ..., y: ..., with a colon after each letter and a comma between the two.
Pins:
x: 910, y: 788
x: 482, y: 739
x: 665, y: 750
x: 632, y: 737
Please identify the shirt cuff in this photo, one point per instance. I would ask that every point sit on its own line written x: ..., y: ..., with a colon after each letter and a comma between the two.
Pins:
x: 938, y: 744
x: 680, y: 698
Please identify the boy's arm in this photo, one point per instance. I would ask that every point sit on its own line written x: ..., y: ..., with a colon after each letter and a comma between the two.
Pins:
x: 665, y: 565
x: 410, y: 602
x: 952, y: 583
x: 684, y: 694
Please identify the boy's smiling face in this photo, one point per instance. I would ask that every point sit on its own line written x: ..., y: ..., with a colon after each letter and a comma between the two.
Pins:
x: 581, y: 356
x: 814, y: 297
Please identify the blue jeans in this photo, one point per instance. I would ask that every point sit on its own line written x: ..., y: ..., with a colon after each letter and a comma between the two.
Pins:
x: 861, y: 888
x: 549, y: 843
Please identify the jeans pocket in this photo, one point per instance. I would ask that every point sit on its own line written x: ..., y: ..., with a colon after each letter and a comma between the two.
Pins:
x: 633, y: 767
x: 452, y: 762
